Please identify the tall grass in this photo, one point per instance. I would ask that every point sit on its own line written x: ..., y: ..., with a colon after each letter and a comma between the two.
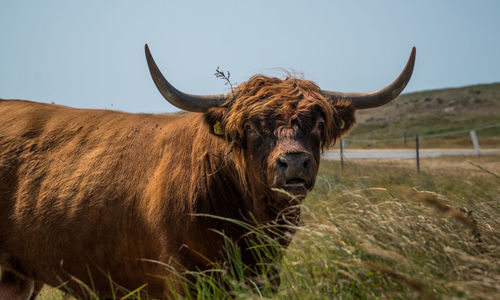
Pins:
x: 378, y: 230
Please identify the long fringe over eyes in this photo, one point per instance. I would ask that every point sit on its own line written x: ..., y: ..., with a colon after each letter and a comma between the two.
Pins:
x: 271, y: 98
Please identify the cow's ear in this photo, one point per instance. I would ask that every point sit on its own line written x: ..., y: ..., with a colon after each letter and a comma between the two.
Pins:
x: 214, y: 120
x: 344, y: 118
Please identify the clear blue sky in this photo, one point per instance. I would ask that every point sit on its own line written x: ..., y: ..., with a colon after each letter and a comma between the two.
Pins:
x: 91, y: 53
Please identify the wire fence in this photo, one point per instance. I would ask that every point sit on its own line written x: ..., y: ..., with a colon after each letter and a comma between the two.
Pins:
x: 470, y: 131
x: 423, y: 137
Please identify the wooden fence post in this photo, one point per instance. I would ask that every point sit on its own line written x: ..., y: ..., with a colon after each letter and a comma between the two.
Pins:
x: 418, y: 155
x: 342, y: 154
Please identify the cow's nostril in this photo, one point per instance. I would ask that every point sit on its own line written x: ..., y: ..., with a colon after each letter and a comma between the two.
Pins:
x: 306, y: 164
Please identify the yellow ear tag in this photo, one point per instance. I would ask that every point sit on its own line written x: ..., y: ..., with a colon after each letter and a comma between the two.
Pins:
x: 342, y: 124
x: 218, y: 128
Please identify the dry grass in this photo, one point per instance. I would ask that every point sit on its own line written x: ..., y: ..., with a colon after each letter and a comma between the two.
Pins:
x: 441, y: 166
x: 378, y: 230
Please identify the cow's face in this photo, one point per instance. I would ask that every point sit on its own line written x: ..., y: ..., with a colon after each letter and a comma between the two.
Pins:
x: 284, y: 149
x: 278, y: 129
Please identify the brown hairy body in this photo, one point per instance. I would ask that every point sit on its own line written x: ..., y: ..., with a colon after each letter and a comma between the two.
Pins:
x: 94, y: 191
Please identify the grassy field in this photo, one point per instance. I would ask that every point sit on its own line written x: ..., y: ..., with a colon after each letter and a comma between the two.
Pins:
x: 429, y: 113
x: 376, y: 229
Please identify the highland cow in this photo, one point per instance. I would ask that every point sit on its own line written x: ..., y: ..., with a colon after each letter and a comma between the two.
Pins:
x: 87, y: 194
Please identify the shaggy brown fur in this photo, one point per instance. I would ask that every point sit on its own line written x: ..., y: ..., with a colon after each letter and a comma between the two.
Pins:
x: 273, y: 103
x: 101, y: 192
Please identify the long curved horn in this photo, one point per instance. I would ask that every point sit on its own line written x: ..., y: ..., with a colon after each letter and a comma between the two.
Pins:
x: 378, y: 97
x: 177, y: 98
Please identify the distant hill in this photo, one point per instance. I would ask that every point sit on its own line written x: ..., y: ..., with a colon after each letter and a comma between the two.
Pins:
x: 434, y: 112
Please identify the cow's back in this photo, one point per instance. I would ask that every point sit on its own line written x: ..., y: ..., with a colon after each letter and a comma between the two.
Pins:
x: 72, y: 183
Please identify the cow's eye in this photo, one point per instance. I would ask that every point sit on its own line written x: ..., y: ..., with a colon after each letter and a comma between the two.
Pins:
x: 321, y: 126
x: 251, y: 131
